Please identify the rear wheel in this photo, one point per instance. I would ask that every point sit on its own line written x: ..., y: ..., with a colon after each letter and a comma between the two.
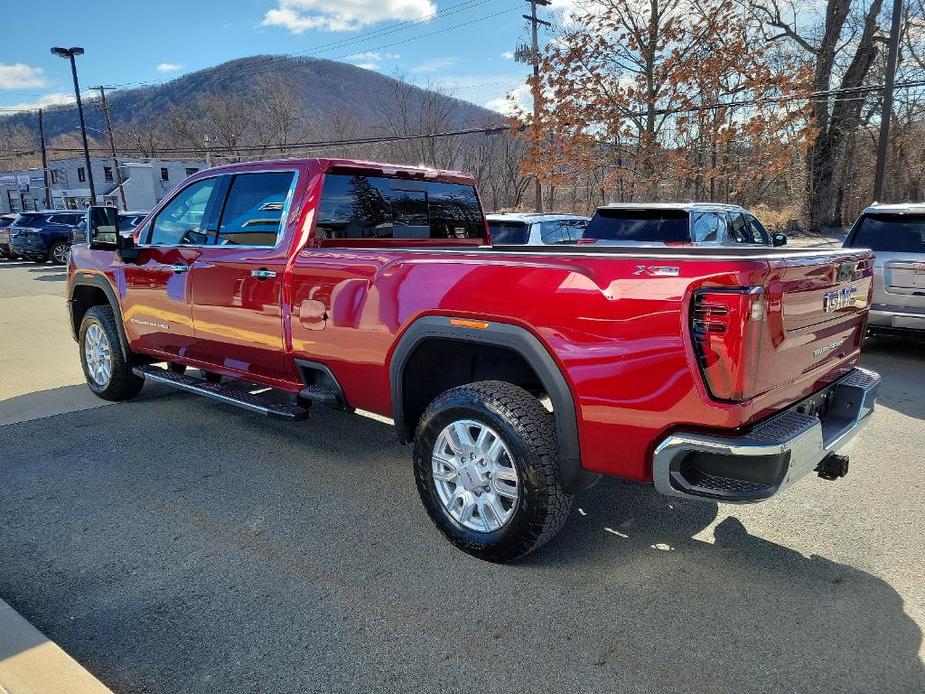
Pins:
x: 486, y: 470
x: 107, y: 372
x: 60, y: 253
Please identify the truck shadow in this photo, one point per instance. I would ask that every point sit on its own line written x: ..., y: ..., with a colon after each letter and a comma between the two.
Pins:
x: 740, y: 599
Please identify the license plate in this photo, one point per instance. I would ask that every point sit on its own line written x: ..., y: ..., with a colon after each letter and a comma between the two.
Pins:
x: 909, y: 322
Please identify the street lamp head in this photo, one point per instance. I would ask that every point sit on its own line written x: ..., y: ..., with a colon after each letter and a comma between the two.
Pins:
x: 67, y: 52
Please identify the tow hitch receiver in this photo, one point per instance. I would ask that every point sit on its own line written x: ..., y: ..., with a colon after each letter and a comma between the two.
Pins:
x: 833, y: 466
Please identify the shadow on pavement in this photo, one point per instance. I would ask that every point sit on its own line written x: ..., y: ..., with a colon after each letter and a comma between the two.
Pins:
x: 901, y: 363
x: 175, y: 544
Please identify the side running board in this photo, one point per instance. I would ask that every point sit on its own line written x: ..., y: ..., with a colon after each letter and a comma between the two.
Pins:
x: 262, y: 403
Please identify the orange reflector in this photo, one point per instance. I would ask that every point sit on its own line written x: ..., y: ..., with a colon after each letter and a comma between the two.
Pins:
x: 463, y: 323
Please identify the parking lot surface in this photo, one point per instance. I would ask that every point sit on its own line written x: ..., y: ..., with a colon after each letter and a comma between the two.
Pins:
x: 175, y: 544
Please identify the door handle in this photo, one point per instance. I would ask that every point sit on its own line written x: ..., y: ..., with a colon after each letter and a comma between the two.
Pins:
x: 179, y: 268
x: 263, y: 274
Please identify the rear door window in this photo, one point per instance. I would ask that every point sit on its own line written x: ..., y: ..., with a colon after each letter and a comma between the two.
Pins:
x: 643, y: 226
x: 377, y: 207
x: 254, y: 209
x: 708, y: 227
x: 897, y: 233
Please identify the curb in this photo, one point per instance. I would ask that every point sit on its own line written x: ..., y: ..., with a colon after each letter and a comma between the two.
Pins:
x: 30, y: 663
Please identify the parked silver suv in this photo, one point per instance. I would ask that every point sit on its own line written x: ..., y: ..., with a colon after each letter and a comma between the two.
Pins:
x: 896, y: 234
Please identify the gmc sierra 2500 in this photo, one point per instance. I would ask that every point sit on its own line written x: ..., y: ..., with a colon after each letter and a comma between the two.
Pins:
x: 520, y: 374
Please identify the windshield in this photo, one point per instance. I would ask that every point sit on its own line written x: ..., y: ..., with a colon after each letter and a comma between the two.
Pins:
x: 648, y: 226
x: 503, y: 233
x: 900, y: 233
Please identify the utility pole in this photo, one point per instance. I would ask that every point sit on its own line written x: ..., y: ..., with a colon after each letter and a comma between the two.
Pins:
x: 205, y: 139
x: 112, y: 145
x: 44, y: 160
x: 887, y: 107
x: 533, y: 56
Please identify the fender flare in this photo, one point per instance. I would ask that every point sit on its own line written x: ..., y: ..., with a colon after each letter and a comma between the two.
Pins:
x: 102, y: 283
x: 527, y: 346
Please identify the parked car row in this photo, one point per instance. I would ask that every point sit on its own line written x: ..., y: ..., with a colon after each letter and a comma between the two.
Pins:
x: 48, y: 234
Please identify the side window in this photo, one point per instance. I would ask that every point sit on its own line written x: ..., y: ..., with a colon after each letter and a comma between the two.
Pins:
x: 182, y: 221
x: 562, y: 231
x: 707, y: 227
x: 354, y: 207
x: 254, y: 209
x: 738, y: 231
x: 756, y: 231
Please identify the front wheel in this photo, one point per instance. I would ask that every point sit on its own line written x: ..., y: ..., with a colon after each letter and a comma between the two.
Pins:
x: 107, y: 372
x: 486, y: 469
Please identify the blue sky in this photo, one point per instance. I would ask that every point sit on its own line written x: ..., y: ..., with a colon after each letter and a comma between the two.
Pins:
x: 131, y: 42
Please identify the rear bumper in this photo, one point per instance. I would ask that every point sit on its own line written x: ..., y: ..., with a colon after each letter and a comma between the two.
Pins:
x: 776, y: 453
x: 895, y: 319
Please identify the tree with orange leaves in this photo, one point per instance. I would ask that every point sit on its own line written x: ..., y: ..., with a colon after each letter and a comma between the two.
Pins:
x: 666, y: 99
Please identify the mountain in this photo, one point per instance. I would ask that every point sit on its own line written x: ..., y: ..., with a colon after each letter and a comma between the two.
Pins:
x: 320, y: 87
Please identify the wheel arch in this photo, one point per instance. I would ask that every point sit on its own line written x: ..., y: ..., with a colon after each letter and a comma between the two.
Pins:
x: 95, y: 290
x: 504, y: 336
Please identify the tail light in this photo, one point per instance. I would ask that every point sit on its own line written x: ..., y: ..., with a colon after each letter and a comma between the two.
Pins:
x: 726, y: 327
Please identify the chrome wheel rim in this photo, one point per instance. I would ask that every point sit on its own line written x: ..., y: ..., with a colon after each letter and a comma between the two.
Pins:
x: 475, y: 476
x: 60, y: 253
x: 98, y: 355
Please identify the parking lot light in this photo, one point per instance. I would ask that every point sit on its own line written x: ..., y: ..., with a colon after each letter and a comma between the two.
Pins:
x: 70, y: 54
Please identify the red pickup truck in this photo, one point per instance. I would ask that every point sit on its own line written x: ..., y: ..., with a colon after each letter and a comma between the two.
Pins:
x: 520, y: 374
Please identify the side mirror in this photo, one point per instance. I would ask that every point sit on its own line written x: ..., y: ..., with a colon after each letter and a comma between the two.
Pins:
x: 779, y: 240
x: 103, y: 227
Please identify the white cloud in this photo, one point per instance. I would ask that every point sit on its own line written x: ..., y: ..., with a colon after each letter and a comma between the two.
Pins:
x: 371, y: 60
x: 169, y: 67
x: 435, y: 65
x: 343, y: 15
x: 20, y: 75
x: 521, y: 96
x: 508, y: 55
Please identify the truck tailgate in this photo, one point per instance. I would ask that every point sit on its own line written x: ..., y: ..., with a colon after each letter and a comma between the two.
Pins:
x: 816, y: 317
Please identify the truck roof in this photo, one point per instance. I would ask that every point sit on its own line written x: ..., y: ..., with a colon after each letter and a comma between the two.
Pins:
x: 325, y: 164
x: 681, y: 206
x: 897, y: 208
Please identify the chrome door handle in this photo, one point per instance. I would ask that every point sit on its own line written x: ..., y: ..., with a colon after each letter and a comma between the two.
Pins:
x: 180, y: 268
x: 263, y: 274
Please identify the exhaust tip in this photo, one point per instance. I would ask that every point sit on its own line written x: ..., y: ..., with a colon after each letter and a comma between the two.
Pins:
x: 833, y: 466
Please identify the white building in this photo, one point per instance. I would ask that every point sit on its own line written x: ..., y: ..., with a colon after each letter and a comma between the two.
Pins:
x: 146, y: 182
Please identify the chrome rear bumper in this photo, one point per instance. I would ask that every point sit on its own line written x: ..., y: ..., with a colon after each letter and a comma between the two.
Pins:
x: 774, y: 454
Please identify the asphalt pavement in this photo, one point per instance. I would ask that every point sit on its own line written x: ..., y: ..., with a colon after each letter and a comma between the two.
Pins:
x: 175, y: 544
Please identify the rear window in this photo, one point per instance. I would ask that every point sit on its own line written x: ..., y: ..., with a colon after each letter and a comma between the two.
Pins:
x: 26, y: 220
x: 646, y: 226
x: 376, y: 207
x: 899, y: 233
x: 505, y: 233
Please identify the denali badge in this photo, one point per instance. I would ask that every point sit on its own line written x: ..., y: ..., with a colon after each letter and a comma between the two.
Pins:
x: 842, y: 298
x: 828, y: 348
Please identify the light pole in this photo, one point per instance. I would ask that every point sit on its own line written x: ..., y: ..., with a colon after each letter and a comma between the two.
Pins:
x: 71, y: 53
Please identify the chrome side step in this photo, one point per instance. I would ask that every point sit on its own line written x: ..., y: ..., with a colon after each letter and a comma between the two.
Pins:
x: 260, y: 403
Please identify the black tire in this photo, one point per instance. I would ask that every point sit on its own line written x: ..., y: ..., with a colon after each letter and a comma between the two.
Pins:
x: 528, y: 431
x: 123, y: 384
x: 56, y: 249
x: 177, y: 368
x: 212, y: 377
